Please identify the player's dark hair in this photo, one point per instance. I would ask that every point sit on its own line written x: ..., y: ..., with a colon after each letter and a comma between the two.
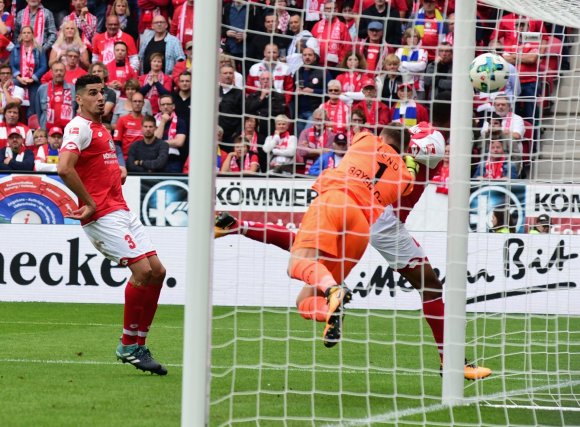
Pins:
x: 398, y: 136
x: 85, y: 80
x: 441, y: 110
x: 149, y: 118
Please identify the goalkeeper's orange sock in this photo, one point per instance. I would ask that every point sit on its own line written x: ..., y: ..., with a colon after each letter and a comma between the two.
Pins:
x: 134, y: 300
x: 314, y: 308
x: 271, y: 234
x: 434, y: 311
x: 312, y: 273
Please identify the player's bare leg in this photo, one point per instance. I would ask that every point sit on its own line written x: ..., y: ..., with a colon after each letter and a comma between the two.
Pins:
x: 137, y: 298
x: 322, y: 299
x: 424, y: 279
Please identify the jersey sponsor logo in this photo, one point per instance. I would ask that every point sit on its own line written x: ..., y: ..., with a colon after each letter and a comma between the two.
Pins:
x: 73, y: 131
x: 165, y: 204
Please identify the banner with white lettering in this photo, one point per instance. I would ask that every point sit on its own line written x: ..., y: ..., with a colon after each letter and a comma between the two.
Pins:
x: 515, y: 273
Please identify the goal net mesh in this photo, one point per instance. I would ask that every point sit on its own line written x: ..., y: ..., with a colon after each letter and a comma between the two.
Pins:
x: 268, y: 364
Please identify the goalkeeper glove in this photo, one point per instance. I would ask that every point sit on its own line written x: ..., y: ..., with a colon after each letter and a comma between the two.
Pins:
x: 412, y: 165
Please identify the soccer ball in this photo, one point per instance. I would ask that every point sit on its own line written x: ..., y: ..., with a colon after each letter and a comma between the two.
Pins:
x: 489, y: 73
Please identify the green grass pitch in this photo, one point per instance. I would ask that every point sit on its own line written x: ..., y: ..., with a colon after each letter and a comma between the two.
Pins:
x: 269, y: 368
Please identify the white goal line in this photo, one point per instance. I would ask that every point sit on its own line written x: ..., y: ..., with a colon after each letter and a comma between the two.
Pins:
x: 395, y: 415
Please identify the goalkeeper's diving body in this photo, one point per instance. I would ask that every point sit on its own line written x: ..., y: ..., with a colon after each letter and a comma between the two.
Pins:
x: 388, y: 234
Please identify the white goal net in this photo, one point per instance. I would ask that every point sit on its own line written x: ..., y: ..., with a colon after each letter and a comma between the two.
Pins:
x: 299, y: 80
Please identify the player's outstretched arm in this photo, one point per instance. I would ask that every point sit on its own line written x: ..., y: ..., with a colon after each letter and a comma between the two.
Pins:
x: 66, y: 170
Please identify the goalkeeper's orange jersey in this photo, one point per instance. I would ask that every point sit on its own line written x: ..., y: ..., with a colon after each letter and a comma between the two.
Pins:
x: 371, y: 172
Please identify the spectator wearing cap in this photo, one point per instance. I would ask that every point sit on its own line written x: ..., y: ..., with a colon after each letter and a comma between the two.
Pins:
x: 332, y: 158
x: 542, y: 226
x: 373, y: 48
x: 429, y: 23
x: 406, y: 110
x: 332, y: 35
x: 385, y: 12
x: 183, y: 66
x: 413, y: 61
x: 46, y: 159
x: 73, y: 70
x: 16, y: 157
x: 377, y: 114
x: 54, y: 104
x: 337, y: 111
x: 281, y: 147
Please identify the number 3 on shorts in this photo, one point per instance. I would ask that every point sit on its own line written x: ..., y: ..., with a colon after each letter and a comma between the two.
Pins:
x: 130, y: 242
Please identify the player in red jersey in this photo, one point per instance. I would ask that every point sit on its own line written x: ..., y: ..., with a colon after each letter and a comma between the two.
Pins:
x: 388, y: 234
x: 88, y: 166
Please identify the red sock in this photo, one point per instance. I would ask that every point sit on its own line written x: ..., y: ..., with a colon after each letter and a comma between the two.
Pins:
x: 134, y: 298
x: 272, y: 234
x: 434, y: 311
x: 314, y: 308
x: 152, y: 293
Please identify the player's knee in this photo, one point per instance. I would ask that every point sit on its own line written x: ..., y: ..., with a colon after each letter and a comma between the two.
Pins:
x: 143, y: 275
x: 158, y: 274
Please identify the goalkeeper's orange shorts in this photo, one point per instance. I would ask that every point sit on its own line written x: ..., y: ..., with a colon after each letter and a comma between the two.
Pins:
x: 337, y: 226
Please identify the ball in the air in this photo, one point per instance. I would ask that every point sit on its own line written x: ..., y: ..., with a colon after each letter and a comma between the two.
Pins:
x: 489, y: 72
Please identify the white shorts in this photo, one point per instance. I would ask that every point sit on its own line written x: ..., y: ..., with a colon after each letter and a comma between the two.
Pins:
x: 120, y: 237
x: 392, y: 240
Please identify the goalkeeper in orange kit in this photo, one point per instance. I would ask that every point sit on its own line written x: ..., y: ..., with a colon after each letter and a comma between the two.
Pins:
x: 335, y: 230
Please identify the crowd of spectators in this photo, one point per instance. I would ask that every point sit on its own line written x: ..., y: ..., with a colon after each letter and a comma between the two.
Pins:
x: 140, y: 48
x: 297, y: 79
x: 388, y: 59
